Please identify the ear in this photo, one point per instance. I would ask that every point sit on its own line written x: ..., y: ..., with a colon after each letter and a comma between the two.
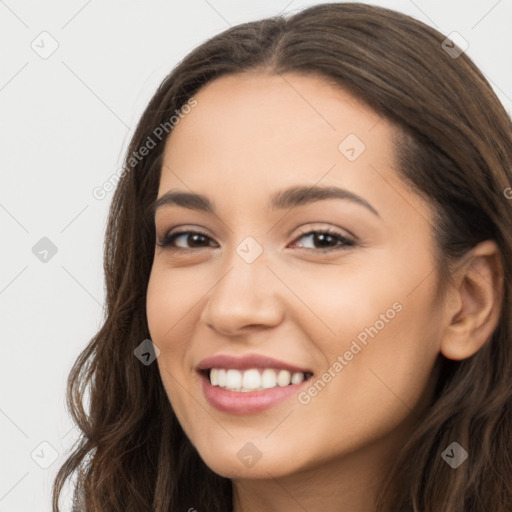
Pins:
x: 474, y: 304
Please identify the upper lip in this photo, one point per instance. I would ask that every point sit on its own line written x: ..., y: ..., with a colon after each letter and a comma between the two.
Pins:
x: 246, y: 362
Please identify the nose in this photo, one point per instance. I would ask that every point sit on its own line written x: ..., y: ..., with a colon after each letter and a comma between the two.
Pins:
x: 245, y: 297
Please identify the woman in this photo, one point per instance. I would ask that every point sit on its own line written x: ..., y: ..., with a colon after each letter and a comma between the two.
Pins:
x: 308, y: 263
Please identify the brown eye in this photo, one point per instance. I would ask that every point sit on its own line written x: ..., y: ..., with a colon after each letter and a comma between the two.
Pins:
x: 326, y: 240
x: 175, y: 241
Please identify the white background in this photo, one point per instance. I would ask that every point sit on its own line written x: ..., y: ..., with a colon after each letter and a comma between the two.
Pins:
x: 65, y: 122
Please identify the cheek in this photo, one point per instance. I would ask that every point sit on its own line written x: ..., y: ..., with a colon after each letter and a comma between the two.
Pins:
x: 171, y: 297
x: 382, y: 340
x: 384, y: 300
x: 165, y: 305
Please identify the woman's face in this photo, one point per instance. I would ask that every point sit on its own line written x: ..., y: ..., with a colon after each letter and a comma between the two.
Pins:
x: 355, y: 311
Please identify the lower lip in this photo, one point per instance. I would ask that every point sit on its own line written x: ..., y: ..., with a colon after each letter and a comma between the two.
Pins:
x: 250, y: 402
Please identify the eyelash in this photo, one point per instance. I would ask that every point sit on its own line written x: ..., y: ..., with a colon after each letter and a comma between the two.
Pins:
x: 169, y: 238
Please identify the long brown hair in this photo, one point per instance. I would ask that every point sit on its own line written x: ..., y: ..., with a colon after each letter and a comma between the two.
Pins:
x: 455, y: 148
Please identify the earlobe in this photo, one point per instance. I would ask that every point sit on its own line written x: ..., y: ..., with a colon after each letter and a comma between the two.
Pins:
x: 477, y: 293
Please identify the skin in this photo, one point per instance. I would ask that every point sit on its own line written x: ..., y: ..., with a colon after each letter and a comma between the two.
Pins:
x: 249, y: 136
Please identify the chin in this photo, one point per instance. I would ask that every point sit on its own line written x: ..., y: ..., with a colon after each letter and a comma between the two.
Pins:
x: 248, y: 462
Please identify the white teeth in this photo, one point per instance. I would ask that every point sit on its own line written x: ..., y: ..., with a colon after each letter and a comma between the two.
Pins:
x: 233, y: 379
x: 284, y: 378
x: 268, y: 379
x: 253, y: 379
x: 297, y: 378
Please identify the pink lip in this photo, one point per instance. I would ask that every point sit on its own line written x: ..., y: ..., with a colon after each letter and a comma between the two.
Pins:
x: 246, y: 362
x: 234, y: 402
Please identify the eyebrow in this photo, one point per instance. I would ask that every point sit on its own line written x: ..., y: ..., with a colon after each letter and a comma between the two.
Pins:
x: 283, y: 199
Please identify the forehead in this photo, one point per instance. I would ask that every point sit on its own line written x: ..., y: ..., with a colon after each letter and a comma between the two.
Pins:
x: 263, y: 103
x: 254, y: 133
x: 255, y: 124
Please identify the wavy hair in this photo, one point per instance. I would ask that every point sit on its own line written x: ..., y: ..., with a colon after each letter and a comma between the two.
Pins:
x: 455, y: 149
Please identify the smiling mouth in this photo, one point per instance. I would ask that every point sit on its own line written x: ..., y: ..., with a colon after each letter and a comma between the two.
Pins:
x: 253, y: 379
